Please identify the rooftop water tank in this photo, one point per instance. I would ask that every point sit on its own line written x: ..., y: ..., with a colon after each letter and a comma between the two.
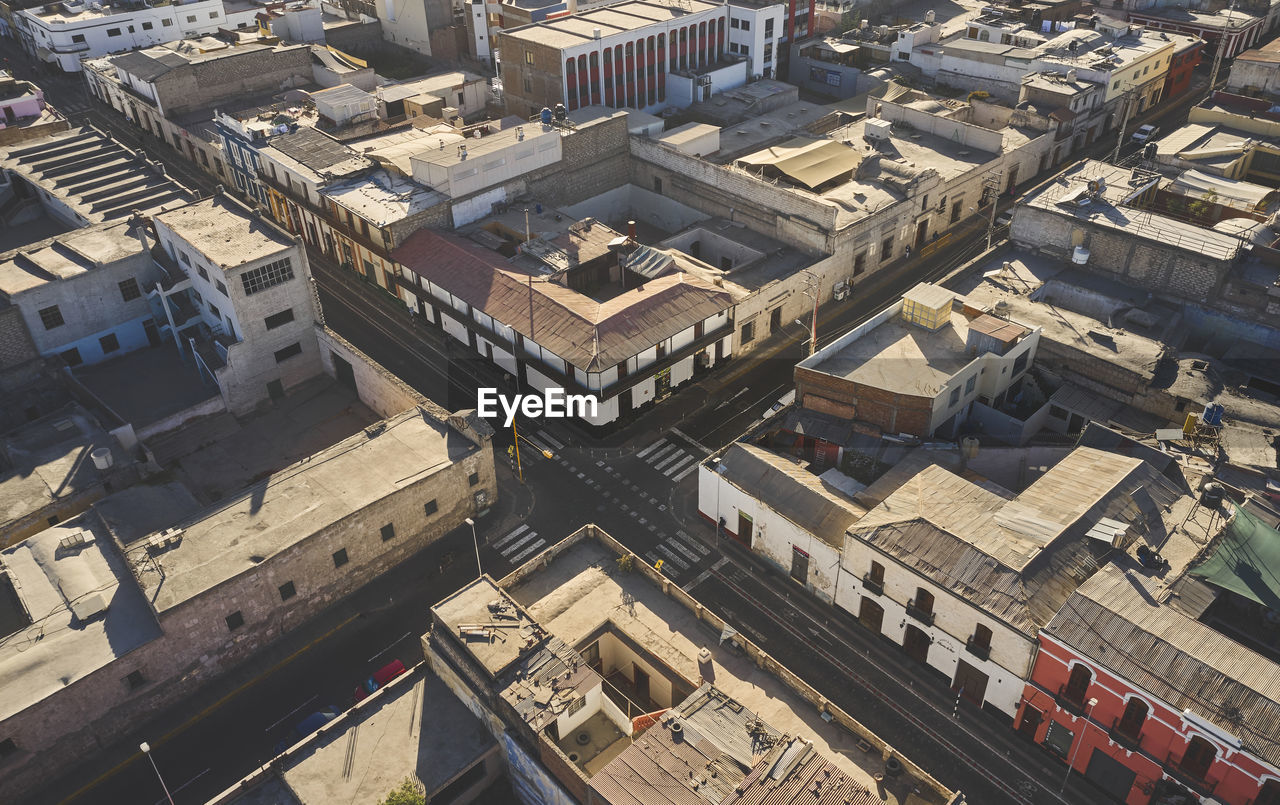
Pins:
x: 102, y: 458
x: 1080, y: 256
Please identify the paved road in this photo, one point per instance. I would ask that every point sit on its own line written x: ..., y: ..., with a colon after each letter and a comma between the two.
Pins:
x: 640, y: 490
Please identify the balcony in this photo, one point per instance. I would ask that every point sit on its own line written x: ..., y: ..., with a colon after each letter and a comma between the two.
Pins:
x: 919, y: 614
x: 1190, y: 779
x: 872, y: 585
x: 980, y: 650
x: 72, y: 47
x: 1124, y: 737
x: 1069, y: 702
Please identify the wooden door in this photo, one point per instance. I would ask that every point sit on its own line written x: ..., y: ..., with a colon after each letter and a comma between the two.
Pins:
x: 1030, y: 724
x: 970, y: 683
x: 642, y: 684
x: 744, y: 528
x: 916, y: 644
x: 871, y: 614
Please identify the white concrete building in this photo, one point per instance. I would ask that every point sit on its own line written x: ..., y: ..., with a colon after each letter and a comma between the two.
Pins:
x: 63, y: 34
x: 249, y: 283
x: 961, y: 575
x: 469, y: 166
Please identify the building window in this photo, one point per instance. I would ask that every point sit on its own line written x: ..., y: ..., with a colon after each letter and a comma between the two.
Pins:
x: 51, y: 317
x: 268, y: 276
x: 1269, y: 795
x: 204, y: 275
x: 1135, y: 715
x: 746, y: 50
x: 924, y: 203
x: 113, y: 32
x: 473, y: 479
x: 657, y: 185
x: 288, y: 352
x: 528, y: 86
x: 430, y: 507
x: 955, y: 397
x: 109, y: 343
x: 981, y: 637
x: 859, y: 263
x: 1020, y: 363
x: 279, y: 319
x: 528, y: 57
x: 146, y: 26
x: 735, y: 23
x: 748, y: 332
x: 129, y: 290
x: 287, y: 591
x: 1077, y: 684
x: 886, y: 248
x: 235, y: 620
x: 166, y: 23
x: 182, y: 256
x: 768, y: 53
x: 923, y: 602
x: 71, y: 357
x: 876, y: 573
x: 77, y: 38
x: 768, y: 28
x: 134, y: 680
x: 7, y: 748
x: 191, y: 18
x: 217, y: 314
x: 340, y: 558
x: 213, y: 15
x: 388, y: 532
x: 222, y: 289
x: 970, y: 383
x: 746, y: 25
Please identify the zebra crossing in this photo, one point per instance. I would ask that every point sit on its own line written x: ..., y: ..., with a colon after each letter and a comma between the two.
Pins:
x: 519, y: 545
x: 680, y: 550
x: 670, y: 459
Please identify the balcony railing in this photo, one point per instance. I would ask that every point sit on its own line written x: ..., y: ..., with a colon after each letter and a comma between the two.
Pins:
x: 1124, y: 737
x: 980, y: 650
x: 1187, y: 777
x: 919, y: 614
x: 74, y: 47
x: 874, y: 586
x: 1068, y: 702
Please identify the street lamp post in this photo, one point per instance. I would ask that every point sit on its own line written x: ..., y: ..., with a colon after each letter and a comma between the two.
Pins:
x: 516, y: 437
x: 146, y: 750
x: 1076, y: 749
x: 476, y: 541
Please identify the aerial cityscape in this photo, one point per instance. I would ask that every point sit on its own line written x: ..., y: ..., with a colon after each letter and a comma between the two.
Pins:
x: 639, y: 402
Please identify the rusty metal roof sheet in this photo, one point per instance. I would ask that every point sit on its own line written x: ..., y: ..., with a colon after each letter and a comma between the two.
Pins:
x: 590, y: 335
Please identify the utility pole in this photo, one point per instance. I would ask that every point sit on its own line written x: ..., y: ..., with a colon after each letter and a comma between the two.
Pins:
x: 812, y: 287
x: 1124, y: 123
x: 992, y: 185
x: 1222, y: 48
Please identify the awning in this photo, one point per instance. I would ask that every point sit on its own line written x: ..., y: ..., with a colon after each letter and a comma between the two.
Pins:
x: 806, y: 161
x: 1247, y: 562
x: 1231, y: 192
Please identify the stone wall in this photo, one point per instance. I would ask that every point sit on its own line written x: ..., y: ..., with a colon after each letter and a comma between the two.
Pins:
x: 197, y: 645
x: 377, y: 388
x: 594, y: 159
x: 12, y: 135
x: 16, y: 345
x: 237, y: 75
x: 887, y: 410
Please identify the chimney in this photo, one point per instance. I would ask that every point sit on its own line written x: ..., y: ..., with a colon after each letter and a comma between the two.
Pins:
x: 631, y: 229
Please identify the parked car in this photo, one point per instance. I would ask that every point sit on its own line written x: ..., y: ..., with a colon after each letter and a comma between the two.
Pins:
x: 783, y: 402
x: 380, y: 677
x: 1145, y: 133
x: 308, y: 725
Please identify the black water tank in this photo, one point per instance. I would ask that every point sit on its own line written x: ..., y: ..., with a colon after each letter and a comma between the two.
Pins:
x: 1213, y: 494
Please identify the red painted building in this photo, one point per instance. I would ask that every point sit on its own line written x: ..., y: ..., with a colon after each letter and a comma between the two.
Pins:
x: 1182, y: 64
x: 1148, y: 703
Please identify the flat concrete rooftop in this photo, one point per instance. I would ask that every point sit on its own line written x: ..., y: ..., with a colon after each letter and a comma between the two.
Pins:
x: 226, y: 232
x: 147, y: 385
x: 290, y: 505
x: 902, y: 357
x: 579, y: 592
x: 60, y: 647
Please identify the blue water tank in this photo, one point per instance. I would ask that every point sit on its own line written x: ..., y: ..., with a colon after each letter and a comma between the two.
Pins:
x: 546, y: 116
x: 1213, y: 414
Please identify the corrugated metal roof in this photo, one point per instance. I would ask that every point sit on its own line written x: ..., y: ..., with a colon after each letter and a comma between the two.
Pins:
x: 590, y: 335
x: 956, y: 533
x: 1176, y: 658
x: 315, y: 149
x: 791, y: 490
x: 794, y: 774
x: 545, y: 682
x: 148, y: 65
x: 999, y: 329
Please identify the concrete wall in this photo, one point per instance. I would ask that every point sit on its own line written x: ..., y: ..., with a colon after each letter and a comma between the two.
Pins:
x: 631, y: 202
x: 377, y: 388
x: 1009, y: 662
x: 235, y: 75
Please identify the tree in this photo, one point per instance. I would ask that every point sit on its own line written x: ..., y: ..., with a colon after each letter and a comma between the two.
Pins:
x: 407, y: 793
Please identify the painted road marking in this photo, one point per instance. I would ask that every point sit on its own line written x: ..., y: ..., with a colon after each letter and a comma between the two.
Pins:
x: 690, y: 469
x: 671, y: 557
x: 676, y: 467
x: 525, y: 540
x: 693, y: 543
x: 535, y: 546
x: 511, y: 536
x: 547, y: 437
x: 647, y: 450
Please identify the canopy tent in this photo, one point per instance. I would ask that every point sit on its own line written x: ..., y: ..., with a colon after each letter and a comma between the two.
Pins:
x: 1247, y: 561
x: 1230, y: 192
x: 806, y: 161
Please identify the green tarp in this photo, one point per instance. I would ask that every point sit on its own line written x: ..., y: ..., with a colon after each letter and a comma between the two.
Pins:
x: 1247, y: 562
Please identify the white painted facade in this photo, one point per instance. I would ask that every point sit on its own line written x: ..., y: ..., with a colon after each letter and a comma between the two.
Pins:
x: 66, y: 37
x: 469, y: 167
x: 754, y: 34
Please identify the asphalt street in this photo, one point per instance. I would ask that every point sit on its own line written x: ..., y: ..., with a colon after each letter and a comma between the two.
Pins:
x: 640, y: 486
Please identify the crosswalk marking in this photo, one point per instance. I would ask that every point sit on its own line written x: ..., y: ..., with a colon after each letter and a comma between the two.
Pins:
x: 551, y: 440
x: 677, y: 454
x: 541, y: 447
x: 511, y: 536
x: 671, y: 556
x: 693, y: 543
x: 691, y: 468
x: 664, y: 451
x: 676, y: 467
x: 527, y: 551
x: 518, y: 544
x: 647, y: 450
x: 693, y: 557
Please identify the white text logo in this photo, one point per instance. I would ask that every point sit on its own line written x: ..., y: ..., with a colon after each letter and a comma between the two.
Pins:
x: 552, y: 404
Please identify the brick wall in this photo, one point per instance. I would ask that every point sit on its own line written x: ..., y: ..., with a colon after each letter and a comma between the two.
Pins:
x: 544, y: 76
x: 887, y: 410
x: 15, y: 342
x: 237, y: 75
x: 595, y: 159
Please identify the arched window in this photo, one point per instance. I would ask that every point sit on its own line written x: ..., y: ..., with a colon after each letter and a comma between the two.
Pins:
x: 1135, y: 715
x: 1078, y: 684
x: 1198, y: 757
x: 1269, y: 795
